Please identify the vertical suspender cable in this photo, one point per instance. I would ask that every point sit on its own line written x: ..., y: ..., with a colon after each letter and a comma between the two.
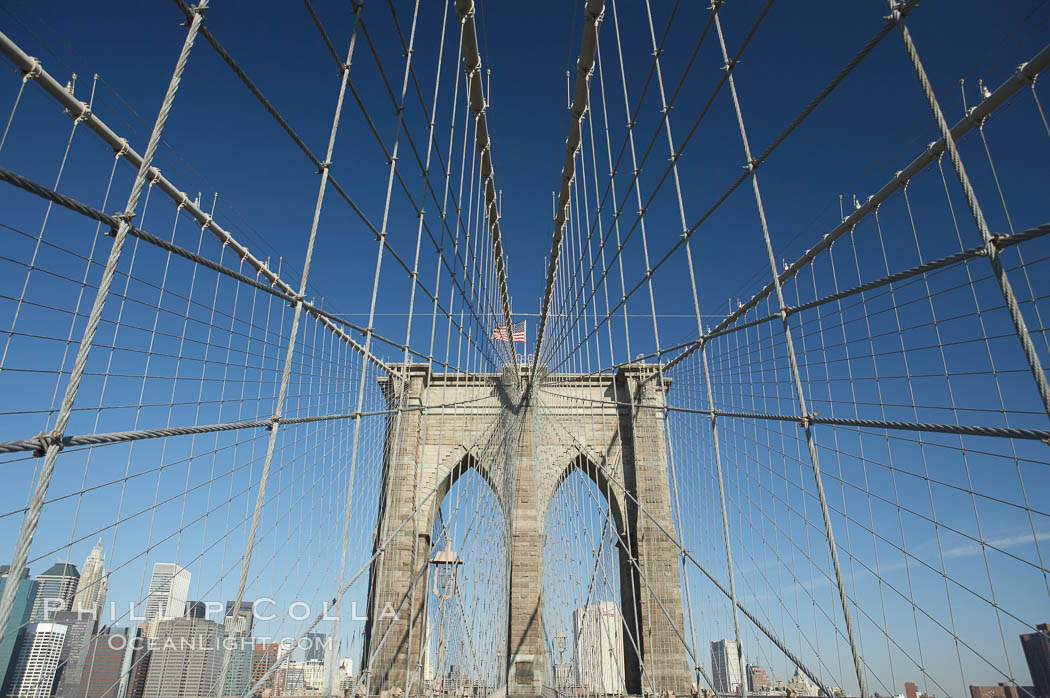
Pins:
x: 54, y: 439
x: 793, y: 361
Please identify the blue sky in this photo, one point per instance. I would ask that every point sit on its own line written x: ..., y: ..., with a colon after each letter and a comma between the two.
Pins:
x: 220, y: 140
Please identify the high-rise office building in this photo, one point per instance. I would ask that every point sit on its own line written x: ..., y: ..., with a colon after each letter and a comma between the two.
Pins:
x: 139, y: 670
x: 239, y: 623
x: 38, y: 658
x: 264, y: 657
x: 55, y: 589
x: 111, y: 663
x: 241, y: 651
x: 187, y: 659
x: 103, y: 667
x: 20, y: 612
x: 197, y: 609
x: 168, y: 589
x: 599, y: 647
x: 317, y: 646
x: 91, y: 589
x: 80, y: 627
x: 1036, y: 648
x: 725, y: 666
x: 757, y: 679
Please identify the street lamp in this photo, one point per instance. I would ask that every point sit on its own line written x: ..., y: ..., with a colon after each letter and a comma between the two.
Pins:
x: 446, y: 577
x: 560, y: 642
x: 446, y: 572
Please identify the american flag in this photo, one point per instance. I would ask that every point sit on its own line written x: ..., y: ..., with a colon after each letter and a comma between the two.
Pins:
x: 517, y: 329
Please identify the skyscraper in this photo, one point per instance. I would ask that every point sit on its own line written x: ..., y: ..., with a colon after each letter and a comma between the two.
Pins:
x: 315, y: 650
x: 725, y: 666
x: 239, y: 623
x: 110, y: 662
x: 168, y: 589
x: 20, y: 611
x: 197, y: 609
x: 1036, y: 648
x: 38, y: 659
x: 91, y: 589
x: 55, y: 589
x: 599, y: 647
x: 186, y: 660
x: 80, y: 627
x: 241, y: 651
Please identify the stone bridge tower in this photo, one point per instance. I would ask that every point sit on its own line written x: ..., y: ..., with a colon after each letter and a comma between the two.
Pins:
x: 524, y: 441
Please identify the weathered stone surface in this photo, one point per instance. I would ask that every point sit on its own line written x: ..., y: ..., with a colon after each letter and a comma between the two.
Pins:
x: 524, y: 443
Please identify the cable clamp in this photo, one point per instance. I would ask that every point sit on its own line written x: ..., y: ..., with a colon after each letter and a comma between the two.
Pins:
x: 47, y: 439
x: 125, y: 216
x: 123, y: 148
x: 206, y: 222
x: 153, y: 174
x: 33, y: 73
x: 84, y: 115
x: 807, y: 420
x: 730, y: 64
x: 323, y: 167
x: 272, y: 422
x: 751, y: 166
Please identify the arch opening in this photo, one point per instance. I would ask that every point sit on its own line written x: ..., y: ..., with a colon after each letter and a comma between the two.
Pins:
x: 588, y: 604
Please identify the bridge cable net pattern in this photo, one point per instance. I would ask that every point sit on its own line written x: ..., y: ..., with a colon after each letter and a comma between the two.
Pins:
x: 840, y: 475
x: 852, y: 453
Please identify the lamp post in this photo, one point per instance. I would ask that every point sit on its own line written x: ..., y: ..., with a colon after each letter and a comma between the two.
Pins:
x: 560, y: 642
x: 446, y: 578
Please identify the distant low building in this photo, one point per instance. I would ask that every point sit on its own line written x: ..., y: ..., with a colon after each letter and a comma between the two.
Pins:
x: 802, y: 685
x: 757, y: 679
x: 1036, y: 648
x: 1003, y: 690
